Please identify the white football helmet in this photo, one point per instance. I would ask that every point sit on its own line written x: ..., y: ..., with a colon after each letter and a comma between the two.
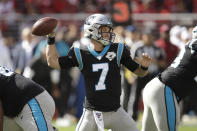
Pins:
x: 92, y: 25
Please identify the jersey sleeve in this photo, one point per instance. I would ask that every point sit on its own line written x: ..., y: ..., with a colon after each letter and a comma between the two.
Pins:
x: 68, y: 61
x: 127, y: 61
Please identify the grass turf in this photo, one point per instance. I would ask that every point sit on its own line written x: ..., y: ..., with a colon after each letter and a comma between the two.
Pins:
x: 181, y: 128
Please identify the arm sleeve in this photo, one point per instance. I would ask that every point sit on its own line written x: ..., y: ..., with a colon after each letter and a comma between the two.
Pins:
x: 68, y: 61
x: 127, y: 60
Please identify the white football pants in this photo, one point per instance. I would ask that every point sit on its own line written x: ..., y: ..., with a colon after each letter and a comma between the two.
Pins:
x: 161, y: 110
x: 117, y: 121
x: 36, y: 115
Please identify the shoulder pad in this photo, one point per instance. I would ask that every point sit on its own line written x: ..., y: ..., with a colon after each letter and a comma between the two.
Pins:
x: 119, y: 52
x: 76, y: 46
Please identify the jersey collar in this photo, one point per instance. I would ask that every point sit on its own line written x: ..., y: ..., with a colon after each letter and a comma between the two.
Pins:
x: 101, y: 54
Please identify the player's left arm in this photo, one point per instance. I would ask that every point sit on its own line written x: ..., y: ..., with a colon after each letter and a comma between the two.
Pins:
x: 139, y: 66
x: 144, y: 63
x: 1, y: 116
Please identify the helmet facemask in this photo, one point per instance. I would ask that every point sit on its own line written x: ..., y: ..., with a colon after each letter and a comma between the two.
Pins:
x: 106, y: 35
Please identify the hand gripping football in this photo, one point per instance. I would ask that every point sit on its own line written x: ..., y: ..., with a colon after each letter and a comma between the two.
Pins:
x: 44, y: 26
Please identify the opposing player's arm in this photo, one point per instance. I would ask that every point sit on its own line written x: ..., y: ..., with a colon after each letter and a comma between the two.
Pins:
x: 1, y: 116
x: 51, y: 52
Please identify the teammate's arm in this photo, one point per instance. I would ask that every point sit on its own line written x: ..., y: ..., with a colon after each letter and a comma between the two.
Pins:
x: 1, y: 116
x: 51, y: 52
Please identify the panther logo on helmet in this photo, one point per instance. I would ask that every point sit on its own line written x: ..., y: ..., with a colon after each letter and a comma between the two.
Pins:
x: 92, y: 25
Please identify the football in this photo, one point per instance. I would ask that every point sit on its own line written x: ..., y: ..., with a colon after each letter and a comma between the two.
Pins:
x: 44, y: 26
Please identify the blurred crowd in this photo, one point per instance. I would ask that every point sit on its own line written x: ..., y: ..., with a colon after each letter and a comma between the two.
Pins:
x: 93, y: 6
x: 25, y: 53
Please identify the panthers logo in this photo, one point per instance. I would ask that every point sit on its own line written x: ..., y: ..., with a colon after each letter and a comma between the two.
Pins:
x: 111, y: 55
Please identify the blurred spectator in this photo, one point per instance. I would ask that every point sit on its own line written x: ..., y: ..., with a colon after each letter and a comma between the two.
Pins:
x: 175, y: 36
x: 95, y: 6
x: 163, y: 42
x: 28, y: 43
x: 89, y: 6
x: 31, y: 7
x: 133, y: 38
x: 158, y: 64
x: 45, y: 6
x: 18, y: 56
x: 19, y: 6
x: 104, y: 6
x: 6, y: 7
x: 40, y: 72
x: 170, y: 5
x: 194, y: 5
x: 5, y: 52
x: 119, y: 31
x: 144, y: 6
x: 72, y: 34
x: 65, y: 6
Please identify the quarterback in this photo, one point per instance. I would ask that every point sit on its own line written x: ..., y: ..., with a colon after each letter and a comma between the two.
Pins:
x: 99, y: 60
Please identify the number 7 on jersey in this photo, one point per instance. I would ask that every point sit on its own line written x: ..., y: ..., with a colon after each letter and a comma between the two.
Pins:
x: 101, y: 83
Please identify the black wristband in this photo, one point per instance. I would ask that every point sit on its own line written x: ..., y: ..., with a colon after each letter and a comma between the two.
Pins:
x: 144, y: 68
x: 51, y: 40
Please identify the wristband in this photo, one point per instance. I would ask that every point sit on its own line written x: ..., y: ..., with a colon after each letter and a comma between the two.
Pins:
x: 144, y: 68
x: 51, y: 40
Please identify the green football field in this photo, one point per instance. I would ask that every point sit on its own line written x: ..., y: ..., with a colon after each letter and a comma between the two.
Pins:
x: 181, y: 128
x: 184, y: 125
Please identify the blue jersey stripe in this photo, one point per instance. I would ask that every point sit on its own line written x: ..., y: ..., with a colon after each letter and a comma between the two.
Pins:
x: 119, y: 52
x: 101, y: 54
x: 171, y: 110
x: 79, y: 59
x: 38, y: 115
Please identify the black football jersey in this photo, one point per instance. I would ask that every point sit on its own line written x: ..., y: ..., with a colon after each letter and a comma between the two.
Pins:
x: 101, y: 71
x: 180, y: 75
x: 16, y: 91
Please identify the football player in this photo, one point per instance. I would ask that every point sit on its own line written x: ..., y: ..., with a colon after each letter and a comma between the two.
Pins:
x: 163, y: 93
x: 24, y: 102
x: 99, y: 60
